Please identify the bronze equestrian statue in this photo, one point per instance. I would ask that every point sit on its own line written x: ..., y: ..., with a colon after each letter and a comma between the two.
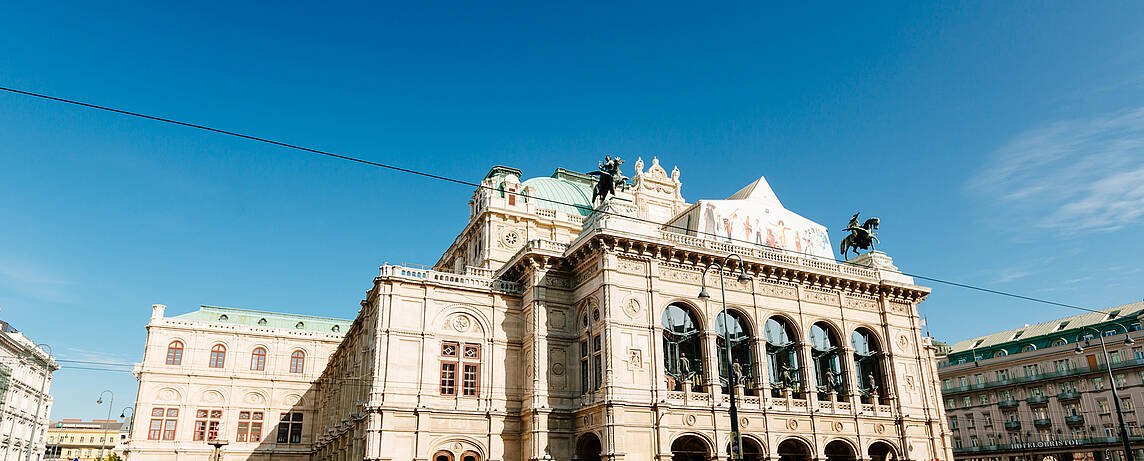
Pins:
x: 861, y: 236
x: 609, y: 179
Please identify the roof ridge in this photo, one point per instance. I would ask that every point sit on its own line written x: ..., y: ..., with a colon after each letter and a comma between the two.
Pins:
x: 204, y: 307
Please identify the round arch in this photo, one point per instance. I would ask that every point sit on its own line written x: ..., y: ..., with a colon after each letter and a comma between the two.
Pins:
x: 588, y: 447
x: 826, y: 359
x: 794, y: 449
x: 691, y: 447
x: 702, y: 321
x: 741, y: 371
x: 684, y: 354
x: 840, y: 450
x: 467, y: 444
x: 881, y: 450
x: 753, y: 448
x: 869, y: 373
x: 482, y: 322
x: 783, y: 344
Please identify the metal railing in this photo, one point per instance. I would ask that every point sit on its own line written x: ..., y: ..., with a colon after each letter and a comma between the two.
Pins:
x: 1042, y: 376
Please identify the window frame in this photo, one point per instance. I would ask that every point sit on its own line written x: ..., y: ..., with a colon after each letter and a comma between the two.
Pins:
x: 258, y: 357
x: 218, y: 356
x: 175, y: 353
x: 297, y: 361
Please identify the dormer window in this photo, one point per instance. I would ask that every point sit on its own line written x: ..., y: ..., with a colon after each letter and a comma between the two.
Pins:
x: 336, y: 328
x: 262, y: 322
x: 223, y: 318
x: 300, y: 325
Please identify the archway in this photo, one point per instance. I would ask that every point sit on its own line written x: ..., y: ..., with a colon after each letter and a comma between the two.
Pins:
x: 588, y: 448
x: 881, y: 451
x: 689, y: 448
x: 839, y: 451
x: 782, y: 356
x: 682, y: 347
x: 867, y: 365
x: 824, y: 348
x: 743, y: 368
x: 794, y: 450
x: 752, y: 449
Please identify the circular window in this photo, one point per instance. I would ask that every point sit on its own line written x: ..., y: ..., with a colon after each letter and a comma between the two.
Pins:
x: 300, y: 325
x: 223, y: 318
x: 336, y: 328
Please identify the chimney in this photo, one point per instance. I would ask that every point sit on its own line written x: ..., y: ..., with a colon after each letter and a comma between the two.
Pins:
x: 157, y: 311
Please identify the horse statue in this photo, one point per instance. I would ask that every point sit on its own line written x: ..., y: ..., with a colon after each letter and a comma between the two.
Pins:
x: 609, y: 178
x: 861, y: 236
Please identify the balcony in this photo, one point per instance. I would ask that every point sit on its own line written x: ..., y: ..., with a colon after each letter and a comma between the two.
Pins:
x: 1074, y: 420
x: 1042, y: 422
x: 1012, y: 425
x: 1068, y: 395
x: 1008, y: 403
x: 1037, y: 400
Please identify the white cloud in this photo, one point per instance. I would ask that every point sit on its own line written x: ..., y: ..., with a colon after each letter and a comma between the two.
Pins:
x: 1071, y: 177
x: 36, y: 282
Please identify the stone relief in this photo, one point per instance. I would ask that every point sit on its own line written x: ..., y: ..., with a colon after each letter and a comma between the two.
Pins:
x: 461, y: 323
x: 777, y: 291
x: 861, y: 303
x: 635, y: 359
x: 680, y: 276
x: 830, y: 299
x: 630, y: 266
x: 632, y: 307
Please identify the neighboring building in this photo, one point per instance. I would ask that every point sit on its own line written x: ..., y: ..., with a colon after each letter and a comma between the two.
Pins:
x: 546, y: 327
x: 25, y: 384
x: 83, y: 440
x: 234, y: 375
x: 1025, y: 394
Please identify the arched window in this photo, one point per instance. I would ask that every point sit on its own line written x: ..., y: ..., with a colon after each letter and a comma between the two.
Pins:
x: 470, y: 456
x: 743, y: 362
x: 258, y: 359
x: 824, y: 346
x: 867, y: 364
x: 1060, y: 342
x: 218, y: 356
x: 175, y: 353
x: 1001, y: 353
x: 443, y: 456
x: 782, y: 356
x: 297, y: 361
x: 682, y: 347
x: 1029, y: 348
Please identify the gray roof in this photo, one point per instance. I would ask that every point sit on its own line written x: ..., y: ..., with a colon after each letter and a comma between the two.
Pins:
x: 1049, y: 327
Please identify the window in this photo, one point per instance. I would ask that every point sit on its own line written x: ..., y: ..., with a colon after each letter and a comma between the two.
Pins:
x: 258, y: 359
x: 1110, y: 333
x: 1102, y: 406
x: 249, y: 426
x: 1133, y: 428
x: 297, y: 361
x: 1071, y: 409
x: 175, y: 353
x: 945, y: 383
x: 957, y: 442
x: 970, y: 422
x: 985, y: 399
x: 1114, y: 356
x: 867, y: 364
x: 683, y: 347
x: 962, y: 381
x: 1062, y: 365
x: 740, y: 371
x: 1138, y: 353
x: 979, y: 378
x: 218, y: 356
x: 465, y: 359
x: 207, y: 424
x: 1040, y: 413
x: 1097, y: 383
x: 988, y: 420
x: 1060, y: 342
x: 290, y: 428
x: 1003, y: 375
x: 966, y: 401
x: 1121, y: 380
x: 1029, y: 348
x: 597, y: 362
x: 1001, y: 353
x: 953, y: 422
x: 584, y: 370
x: 1126, y: 404
x: 1032, y: 370
x: 950, y: 404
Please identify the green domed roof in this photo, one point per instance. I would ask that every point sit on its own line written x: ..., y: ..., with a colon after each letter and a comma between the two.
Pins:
x: 573, y: 195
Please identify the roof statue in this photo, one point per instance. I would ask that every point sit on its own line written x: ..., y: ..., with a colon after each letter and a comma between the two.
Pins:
x: 862, y: 236
x: 610, y: 178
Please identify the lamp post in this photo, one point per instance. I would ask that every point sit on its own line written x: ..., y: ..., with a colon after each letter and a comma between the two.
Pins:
x: 736, y: 449
x: 39, y: 398
x: 1112, y: 381
x: 111, y: 402
x: 128, y: 424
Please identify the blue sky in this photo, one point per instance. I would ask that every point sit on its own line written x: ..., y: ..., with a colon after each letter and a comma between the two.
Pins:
x: 1001, y: 144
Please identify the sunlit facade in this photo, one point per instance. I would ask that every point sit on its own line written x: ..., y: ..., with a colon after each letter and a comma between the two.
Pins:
x: 550, y: 329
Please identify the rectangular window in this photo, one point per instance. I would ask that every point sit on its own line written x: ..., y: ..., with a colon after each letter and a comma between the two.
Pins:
x: 1114, y: 356
x: 969, y: 422
x: 1121, y: 380
x: 945, y: 383
x: 160, y: 428
x: 966, y: 401
x: 249, y: 426
x: 290, y: 428
x: 1126, y: 404
x: 985, y: 399
x: 207, y: 424
x: 449, y: 378
x: 597, y: 362
x: 1003, y: 375
x: 962, y: 381
x: 953, y: 422
x: 584, y: 370
x: 1098, y: 383
x: 979, y: 378
x: 469, y: 380
x: 1102, y: 406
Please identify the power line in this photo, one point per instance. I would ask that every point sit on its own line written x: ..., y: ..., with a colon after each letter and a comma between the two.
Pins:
x: 481, y: 186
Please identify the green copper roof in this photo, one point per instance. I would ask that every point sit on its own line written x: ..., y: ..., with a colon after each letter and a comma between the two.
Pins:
x: 572, y: 190
x: 230, y: 315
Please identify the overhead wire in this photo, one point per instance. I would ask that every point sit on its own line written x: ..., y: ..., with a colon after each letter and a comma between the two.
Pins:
x: 520, y: 193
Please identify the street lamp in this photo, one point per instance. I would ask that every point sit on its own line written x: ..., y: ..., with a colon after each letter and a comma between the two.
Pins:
x: 1112, y: 381
x: 128, y: 423
x: 736, y: 449
x: 39, y: 398
x: 111, y: 402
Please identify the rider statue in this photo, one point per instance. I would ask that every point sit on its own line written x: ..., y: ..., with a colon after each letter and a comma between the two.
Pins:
x: 610, y: 179
x: 862, y: 236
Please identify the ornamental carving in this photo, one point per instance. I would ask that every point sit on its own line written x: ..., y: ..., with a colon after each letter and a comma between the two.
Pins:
x: 679, y: 276
x: 635, y: 359
x: 632, y: 307
x: 837, y: 426
x: 861, y: 303
x: 558, y: 369
x: 557, y: 282
x: 630, y: 266
x: 830, y: 299
x: 899, y: 307
x: 461, y: 323
x: 778, y: 291
x: 880, y: 428
x: 511, y: 239
x: 689, y: 420
x: 557, y: 319
x: 792, y: 424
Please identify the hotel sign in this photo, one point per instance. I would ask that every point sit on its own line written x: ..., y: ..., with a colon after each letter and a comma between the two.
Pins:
x: 1048, y: 444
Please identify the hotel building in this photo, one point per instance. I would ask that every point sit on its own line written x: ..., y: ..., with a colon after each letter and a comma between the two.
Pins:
x: 1027, y: 394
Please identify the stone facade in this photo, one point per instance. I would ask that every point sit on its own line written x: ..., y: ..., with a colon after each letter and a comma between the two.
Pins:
x: 550, y: 329
x: 1026, y: 393
x: 25, y: 385
x: 241, y: 376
